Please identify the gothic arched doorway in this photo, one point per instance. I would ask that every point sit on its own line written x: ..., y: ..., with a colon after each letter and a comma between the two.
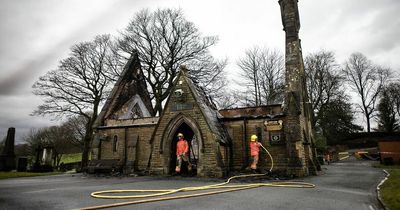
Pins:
x: 193, y: 142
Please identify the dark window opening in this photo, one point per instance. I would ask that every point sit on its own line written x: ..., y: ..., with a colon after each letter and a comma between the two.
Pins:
x: 259, y: 134
x: 115, y: 143
x: 136, y: 112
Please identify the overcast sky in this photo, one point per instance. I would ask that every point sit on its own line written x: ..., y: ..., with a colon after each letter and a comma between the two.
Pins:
x: 36, y: 34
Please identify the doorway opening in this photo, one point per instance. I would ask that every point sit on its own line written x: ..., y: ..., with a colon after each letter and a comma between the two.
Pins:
x: 193, y: 155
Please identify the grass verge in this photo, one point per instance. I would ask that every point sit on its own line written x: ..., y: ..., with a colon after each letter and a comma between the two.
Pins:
x: 71, y: 158
x: 7, y: 175
x: 390, y: 190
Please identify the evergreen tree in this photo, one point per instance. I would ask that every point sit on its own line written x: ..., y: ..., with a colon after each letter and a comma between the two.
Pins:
x: 337, y: 120
x: 387, y: 119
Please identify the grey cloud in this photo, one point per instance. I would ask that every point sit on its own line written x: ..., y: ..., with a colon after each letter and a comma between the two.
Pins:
x: 23, y: 127
x: 15, y: 112
x: 23, y: 76
x: 385, y: 30
x: 368, y: 26
x: 21, y: 79
x: 21, y: 63
x: 20, y: 23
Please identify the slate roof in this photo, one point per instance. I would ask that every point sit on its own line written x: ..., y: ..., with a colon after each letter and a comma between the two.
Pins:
x: 208, y: 108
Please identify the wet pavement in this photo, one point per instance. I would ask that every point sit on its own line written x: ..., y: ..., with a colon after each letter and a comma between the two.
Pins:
x: 349, y: 184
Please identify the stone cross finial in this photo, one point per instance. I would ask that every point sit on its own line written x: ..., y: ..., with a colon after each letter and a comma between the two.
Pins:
x: 183, y: 69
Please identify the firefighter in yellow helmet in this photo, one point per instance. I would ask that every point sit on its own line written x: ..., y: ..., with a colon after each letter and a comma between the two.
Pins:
x: 254, y: 151
x: 182, y: 153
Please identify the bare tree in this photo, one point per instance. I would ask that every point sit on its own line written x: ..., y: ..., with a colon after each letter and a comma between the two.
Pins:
x: 272, y: 80
x: 366, y: 80
x: 228, y: 100
x: 59, y: 139
x: 165, y: 40
x: 324, y: 82
x: 76, y: 127
x: 33, y: 139
x: 250, y: 65
x: 209, y: 74
x: 262, y: 70
x: 79, y: 85
x: 395, y: 93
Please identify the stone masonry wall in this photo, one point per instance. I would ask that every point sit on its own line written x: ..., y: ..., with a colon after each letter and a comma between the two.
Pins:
x: 241, y: 141
x: 138, y: 145
x: 208, y: 164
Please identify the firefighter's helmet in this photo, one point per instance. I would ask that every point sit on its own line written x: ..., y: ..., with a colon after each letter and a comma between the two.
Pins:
x: 253, y: 137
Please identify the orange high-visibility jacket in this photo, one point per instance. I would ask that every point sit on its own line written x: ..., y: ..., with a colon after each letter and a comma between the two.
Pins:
x: 182, y: 147
x: 254, y: 148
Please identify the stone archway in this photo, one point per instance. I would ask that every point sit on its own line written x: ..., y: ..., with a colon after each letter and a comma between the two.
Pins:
x: 189, y: 128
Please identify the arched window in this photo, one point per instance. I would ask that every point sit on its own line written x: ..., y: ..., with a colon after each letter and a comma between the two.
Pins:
x: 115, y: 143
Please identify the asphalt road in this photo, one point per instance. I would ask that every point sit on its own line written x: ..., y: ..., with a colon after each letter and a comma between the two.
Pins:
x: 348, y: 184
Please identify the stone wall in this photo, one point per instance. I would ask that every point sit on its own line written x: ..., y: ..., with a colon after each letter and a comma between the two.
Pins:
x: 137, y: 140
x: 241, y: 131
x: 185, y: 109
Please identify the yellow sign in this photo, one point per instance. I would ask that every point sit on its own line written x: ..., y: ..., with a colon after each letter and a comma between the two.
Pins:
x: 273, y: 125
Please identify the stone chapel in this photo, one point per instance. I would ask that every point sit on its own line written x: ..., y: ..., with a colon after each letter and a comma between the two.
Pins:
x: 129, y: 137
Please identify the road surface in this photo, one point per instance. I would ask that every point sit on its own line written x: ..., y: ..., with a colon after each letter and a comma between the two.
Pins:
x: 348, y: 184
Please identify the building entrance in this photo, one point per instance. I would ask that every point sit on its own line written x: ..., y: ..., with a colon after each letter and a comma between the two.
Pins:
x: 193, y: 156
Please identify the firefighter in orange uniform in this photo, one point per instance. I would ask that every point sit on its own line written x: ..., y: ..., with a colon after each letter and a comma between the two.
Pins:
x: 182, y: 153
x: 254, y: 151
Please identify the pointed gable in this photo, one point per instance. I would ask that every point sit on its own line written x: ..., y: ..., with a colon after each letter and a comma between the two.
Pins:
x: 205, y: 104
x: 129, y: 98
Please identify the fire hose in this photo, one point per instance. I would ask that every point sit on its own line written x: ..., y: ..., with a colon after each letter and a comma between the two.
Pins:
x: 161, y: 192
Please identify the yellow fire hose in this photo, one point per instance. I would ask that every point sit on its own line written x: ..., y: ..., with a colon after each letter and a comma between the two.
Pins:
x: 161, y: 192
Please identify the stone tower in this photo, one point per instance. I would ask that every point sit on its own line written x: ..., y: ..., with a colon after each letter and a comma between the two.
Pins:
x: 299, y: 135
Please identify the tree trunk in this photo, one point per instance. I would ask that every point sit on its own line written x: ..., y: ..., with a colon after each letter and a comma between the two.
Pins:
x: 158, y: 107
x: 89, y: 135
x: 86, y: 146
x: 58, y: 159
x: 55, y: 159
x: 87, y: 141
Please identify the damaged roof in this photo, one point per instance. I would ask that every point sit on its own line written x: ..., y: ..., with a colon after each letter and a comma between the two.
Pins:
x: 130, y: 83
x: 266, y: 111
x: 208, y: 108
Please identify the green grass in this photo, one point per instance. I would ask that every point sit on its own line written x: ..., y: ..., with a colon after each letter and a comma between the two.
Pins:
x: 7, y: 175
x: 390, y: 190
x: 71, y: 158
